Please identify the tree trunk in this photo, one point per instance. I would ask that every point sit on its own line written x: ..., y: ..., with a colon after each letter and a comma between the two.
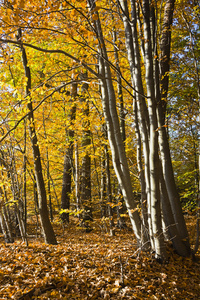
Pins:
x: 113, y: 127
x: 24, y: 179
x: 77, y: 178
x: 169, y: 219
x: 103, y: 185
x: 168, y: 173
x: 165, y: 47
x: 153, y: 141
x: 68, y: 160
x: 109, y: 192
x: 21, y: 225
x: 132, y: 46
x: 47, y: 228
x: 5, y: 226
x: 141, y: 172
x: 48, y: 173
x: 85, y: 178
x: 120, y: 208
x: 49, y: 186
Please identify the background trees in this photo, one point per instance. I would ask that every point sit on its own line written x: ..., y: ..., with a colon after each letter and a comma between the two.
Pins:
x: 79, y: 72
x: 183, y: 108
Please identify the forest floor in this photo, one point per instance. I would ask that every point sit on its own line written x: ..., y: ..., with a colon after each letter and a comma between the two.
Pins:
x: 94, y: 266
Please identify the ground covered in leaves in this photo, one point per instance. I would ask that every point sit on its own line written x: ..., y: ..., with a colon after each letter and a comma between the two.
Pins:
x: 94, y: 266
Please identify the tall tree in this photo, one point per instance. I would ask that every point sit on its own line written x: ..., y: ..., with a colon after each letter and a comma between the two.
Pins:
x: 150, y: 126
x: 113, y: 127
x: 68, y: 158
x: 85, y: 169
x: 47, y: 228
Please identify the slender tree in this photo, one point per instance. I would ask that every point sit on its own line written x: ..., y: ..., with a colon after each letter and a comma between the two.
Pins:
x: 85, y: 168
x: 49, y: 235
x: 113, y: 127
x: 68, y: 158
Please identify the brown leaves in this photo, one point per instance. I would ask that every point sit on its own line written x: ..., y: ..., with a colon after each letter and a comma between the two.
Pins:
x: 90, y: 266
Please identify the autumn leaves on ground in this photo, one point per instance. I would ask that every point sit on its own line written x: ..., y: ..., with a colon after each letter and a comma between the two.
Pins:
x: 94, y: 266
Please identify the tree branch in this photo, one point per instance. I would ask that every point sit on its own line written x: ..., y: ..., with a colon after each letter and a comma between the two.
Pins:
x: 35, y: 108
x: 7, y: 41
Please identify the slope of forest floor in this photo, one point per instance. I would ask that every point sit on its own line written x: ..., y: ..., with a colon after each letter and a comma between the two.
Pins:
x: 94, y: 266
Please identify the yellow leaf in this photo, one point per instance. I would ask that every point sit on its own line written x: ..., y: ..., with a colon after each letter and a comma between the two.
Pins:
x: 115, y: 289
x: 21, y: 4
x: 95, y: 17
x: 95, y: 9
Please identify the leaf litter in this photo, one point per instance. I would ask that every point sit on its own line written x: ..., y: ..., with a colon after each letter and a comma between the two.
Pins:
x: 94, y: 266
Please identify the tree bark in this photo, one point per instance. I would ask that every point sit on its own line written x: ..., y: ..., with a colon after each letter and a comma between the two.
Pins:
x: 154, y: 158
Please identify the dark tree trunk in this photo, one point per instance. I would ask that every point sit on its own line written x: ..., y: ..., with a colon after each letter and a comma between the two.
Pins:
x: 163, y: 138
x: 49, y: 235
x: 68, y: 160
x: 109, y: 191
x: 103, y: 186
x: 165, y: 47
x: 85, y: 176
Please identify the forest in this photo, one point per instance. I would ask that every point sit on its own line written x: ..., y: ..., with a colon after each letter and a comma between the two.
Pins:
x: 99, y: 149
